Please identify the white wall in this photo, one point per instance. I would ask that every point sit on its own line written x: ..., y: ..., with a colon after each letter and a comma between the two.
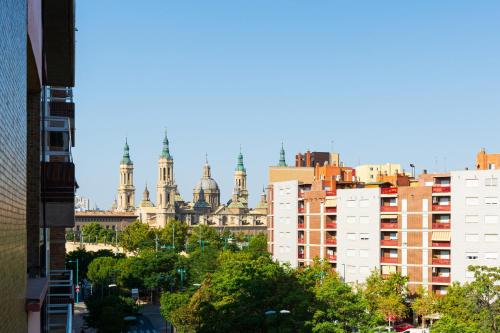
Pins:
x: 358, y: 215
x: 285, y: 196
x: 474, y: 209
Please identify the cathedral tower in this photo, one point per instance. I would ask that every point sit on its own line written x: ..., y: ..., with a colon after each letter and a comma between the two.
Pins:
x: 208, y: 187
x: 126, y: 189
x: 240, y: 181
x: 282, y: 162
x: 166, y: 188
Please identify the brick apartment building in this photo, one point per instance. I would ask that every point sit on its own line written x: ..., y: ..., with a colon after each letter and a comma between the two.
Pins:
x: 37, y: 173
x: 430, y: 229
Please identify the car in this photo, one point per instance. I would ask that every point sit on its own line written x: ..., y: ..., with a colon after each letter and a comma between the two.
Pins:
x: 402, y: 327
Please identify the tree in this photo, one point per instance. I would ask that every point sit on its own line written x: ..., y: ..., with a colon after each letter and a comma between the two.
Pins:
x: 137, y: 236
x: 177, y: 228
x: 425, y: 304
x: 386, y: 297
x: 102, y: 271
x: 257, y: 246
x: 475, y: 305
x: 203, y: 236
x: 338, y: 308
x: 107, y: 314
x: 91, y: 231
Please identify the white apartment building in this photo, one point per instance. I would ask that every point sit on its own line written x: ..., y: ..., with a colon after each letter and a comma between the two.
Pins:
x: 475, y: 225
x: 358, y: 233
x: 285, y: 207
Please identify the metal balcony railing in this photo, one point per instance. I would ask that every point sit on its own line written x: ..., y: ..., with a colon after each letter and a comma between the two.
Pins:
x: 60, y: 301
x: 440, y: 261
x: 389, y: 242
x: 389, y: 190
x: 441, y: 189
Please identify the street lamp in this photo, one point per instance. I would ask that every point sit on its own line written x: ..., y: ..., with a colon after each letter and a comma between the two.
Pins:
x: 278, y: 313
x: 77, y: 282
x: 181, y: 271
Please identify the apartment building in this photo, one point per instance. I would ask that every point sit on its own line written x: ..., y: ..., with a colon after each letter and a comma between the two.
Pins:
x: 368, y: 173
x: 485, y: 161
x: 475, y: 217
x: 429, y: 229
x: 37, y: 172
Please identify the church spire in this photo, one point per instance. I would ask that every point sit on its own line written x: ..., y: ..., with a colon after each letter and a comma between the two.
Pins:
x: 282, y: 162
x: 145, y: 195
x: 166, y: 150
x: 126, y: 154
x: 206, y: 168
x: 240, y: 166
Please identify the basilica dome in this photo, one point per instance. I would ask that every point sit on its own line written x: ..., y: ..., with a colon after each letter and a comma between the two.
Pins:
x: 208, y: 188
x: 208, y: 184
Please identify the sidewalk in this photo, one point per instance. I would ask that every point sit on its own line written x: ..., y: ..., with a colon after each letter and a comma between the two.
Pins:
x: 152, y: 312
x: 78, y: 321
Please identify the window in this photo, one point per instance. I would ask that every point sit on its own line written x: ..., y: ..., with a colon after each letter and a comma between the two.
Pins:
x: 491, y: 166
x: 490, y: 237
x: 491, y: 255
x: 472, y: 237
x: 393, y: 253
x: 365, y: 270
x: 351, y: 219
x: 393, y: 236
x: 491, y: 219
x: 471, y: 255
x: 363, y: 253
x: 351, y: 253
x: 364, y: 219
x: 351, y: 203
x: 364, y: 236
x: 472, y: 182
x: 386, y: 270
x: 351, y: 236
x: 363, y: 203
x: 491, y: 201
x: 491, y: 181
x: 471, y: 219
x: 472, y: 201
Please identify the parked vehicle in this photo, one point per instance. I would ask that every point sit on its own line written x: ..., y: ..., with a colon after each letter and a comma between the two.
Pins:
x: 403, y: 327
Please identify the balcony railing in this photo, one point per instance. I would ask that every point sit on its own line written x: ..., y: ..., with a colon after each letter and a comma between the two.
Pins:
x: 301, y: 225
x: 441, y: 244
x: 331, y: 209
x: 389, y: 242
x: 331, y: 225
x: 331, y: 241
x: 389, y: 208
x: 441, y: 279
x: 389, y: 190
x: 59, y: 181
x: 441, y: 208
x: 441, y: 189
x: 331, y: 193
x: 301, y: 240
x: 301, y: 255
x: 331, y: 257
x: 389, y: 260
x: 439, y: 261
x: 302, y: 210
x: 60, y: 300
x: 388, y: 225
x: 439, y: 225
x: 301, y: 194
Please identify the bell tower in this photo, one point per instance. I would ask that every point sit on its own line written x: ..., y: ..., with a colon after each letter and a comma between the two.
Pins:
x: 240, y: 180
x: 165, y: 188
x: 126, y: 189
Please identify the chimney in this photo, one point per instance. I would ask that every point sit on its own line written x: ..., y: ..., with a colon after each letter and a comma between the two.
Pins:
x: 425, y: 171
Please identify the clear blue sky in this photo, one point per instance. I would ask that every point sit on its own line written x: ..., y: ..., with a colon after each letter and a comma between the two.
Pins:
x: 387, y: 81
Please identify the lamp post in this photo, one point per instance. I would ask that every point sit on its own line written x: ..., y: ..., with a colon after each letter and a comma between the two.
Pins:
x: 181, y: 271
x: 77, y: 283
x: 277, y: 313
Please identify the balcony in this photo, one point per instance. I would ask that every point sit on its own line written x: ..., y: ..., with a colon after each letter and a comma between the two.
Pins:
x: 441, y: 279
x: 388, y: 225
x: 331, y: 209
x: 441, y: 208
x: 301, y: 210
x: 441, y: 244
x: 60, y: 301
x: 388, y: 260
x: 439, y: 261
x: 301, y: 255
x: 301, y: 194
x: 439, y: 225
x: 331, y: 225
x: 58, y: 193
x: 391, y: 209
x: 331, y: 241
x: 441, y: 189
x: 331, y: 257
x: 301, y: 240
x: 331, y: 193
x: 389, y: 190
x: 301, y: 225
x: 389, y: 242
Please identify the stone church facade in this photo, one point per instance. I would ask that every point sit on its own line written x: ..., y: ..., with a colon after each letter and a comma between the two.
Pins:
x: 205, y: 208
